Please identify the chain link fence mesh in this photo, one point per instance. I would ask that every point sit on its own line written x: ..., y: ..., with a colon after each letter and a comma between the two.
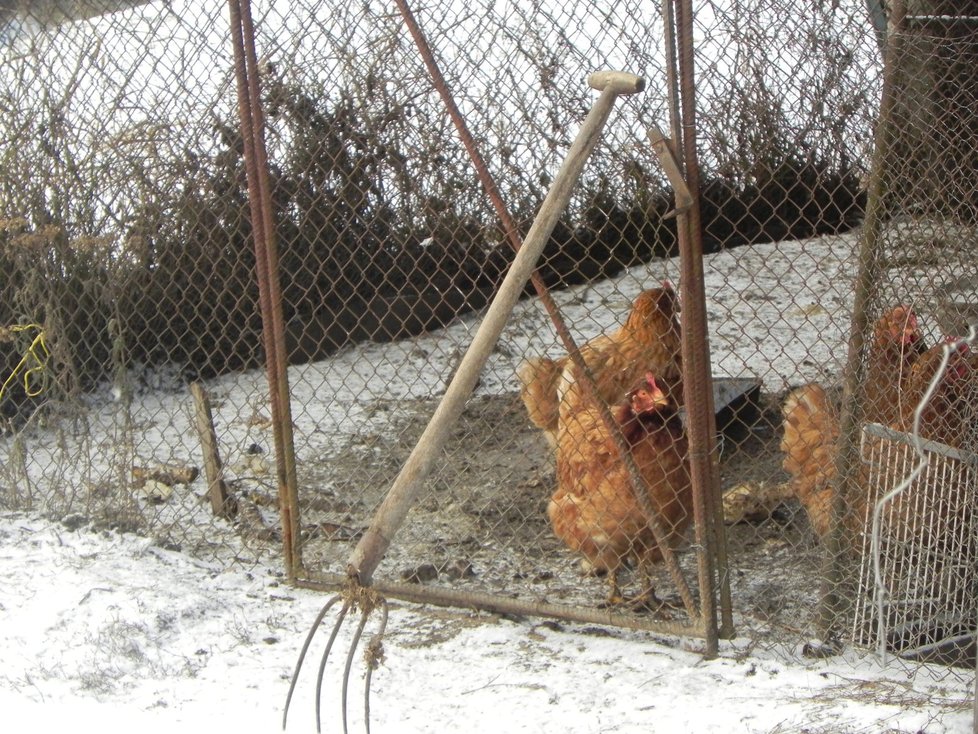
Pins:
x: 914, y: 301
x: 125, y: 244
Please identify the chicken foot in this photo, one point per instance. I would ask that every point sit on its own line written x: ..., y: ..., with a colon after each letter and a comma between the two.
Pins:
x: 615, y: 597
x: 645, y: 600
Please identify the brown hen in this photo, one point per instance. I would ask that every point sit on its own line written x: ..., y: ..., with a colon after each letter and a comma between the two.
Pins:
x: 897, y: 344
x: 595, y: 510
x: 948, y: 417
x: 811, y: 422
x: 648, y: 341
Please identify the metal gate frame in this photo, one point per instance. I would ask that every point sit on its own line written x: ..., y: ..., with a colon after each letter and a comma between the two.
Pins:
x: 679, y: 160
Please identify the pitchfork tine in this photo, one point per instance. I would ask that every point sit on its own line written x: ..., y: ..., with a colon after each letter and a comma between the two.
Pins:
x: 374, y: 654
x: 349, y: 660
x: 353, y: 597
x: 322, y: 663
x: 302, y: 655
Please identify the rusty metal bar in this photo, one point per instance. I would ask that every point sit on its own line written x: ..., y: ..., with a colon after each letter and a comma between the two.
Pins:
x: 672, y: 83
x: 698, y: 383
x: 512, y: 235
x: 677, y: 149
x: 266, y: 261
x: 832, y: 604
x: 482, y: 171
x: 442, y: 596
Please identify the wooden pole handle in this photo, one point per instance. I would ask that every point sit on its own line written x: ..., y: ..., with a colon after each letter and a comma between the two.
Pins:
x: 404, y: 491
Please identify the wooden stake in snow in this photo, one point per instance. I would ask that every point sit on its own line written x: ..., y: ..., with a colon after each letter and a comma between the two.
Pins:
x: 216, y: 488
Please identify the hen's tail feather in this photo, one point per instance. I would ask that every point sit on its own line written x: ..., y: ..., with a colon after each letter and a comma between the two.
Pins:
x: 811, y: 429
x: 538, y: 379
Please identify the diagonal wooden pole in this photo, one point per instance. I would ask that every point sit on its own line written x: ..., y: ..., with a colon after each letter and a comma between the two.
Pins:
x: 404, y: 491
x: 583, y: 373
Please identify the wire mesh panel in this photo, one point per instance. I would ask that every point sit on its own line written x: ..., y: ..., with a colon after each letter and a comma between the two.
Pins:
x: 486, y: 508
x: 922, y: 606
x: 385, y: 236
x: 126, y: 275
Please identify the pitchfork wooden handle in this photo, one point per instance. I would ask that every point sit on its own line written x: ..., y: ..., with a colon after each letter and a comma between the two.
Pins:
x: 404, y: 491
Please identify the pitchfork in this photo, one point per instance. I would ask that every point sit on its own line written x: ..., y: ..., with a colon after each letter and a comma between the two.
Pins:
x: 365, y: 558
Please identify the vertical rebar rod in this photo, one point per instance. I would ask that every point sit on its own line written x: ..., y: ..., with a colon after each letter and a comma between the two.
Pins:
x: 672, y: 82
x: 510, y: 229
x: 698, y: 384
x: 266, y: 261
x: 831, y: 609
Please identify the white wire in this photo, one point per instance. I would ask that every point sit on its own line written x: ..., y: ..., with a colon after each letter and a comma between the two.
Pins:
x: 879, y: 592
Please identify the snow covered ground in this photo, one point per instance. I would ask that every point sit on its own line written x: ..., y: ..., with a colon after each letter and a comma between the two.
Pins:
x: 111, y: 630
x: 104, y: 630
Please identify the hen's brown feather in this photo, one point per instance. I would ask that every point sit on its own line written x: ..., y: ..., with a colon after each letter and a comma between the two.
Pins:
x: 949, y: 415
x: 811, y: 429
x: 811, y: 423
x: 595, y: 510
x: 648, y: 341
x: 539, y: 378
x: 897, y: 344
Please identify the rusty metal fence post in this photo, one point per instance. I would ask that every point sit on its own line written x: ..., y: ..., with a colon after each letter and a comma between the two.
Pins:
x: 698, y: 385
x: 263, y: 231
x: 832, y: 605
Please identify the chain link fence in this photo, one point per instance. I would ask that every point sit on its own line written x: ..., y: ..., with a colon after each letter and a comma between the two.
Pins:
x: 126, y: 248
x: 899, y: 516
